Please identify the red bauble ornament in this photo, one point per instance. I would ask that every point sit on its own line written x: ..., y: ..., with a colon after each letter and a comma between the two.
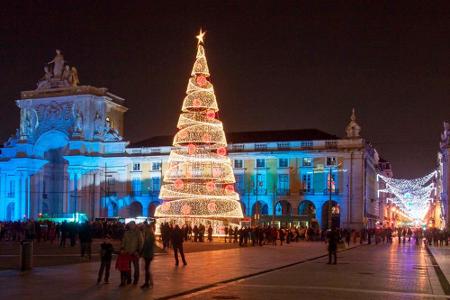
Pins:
x: 229, y: 188
x: 179, y: 184
x: 191, y: 149
x: 206, y: 138
x: 212, y: 206
x: 201, y: 80
x: 196, y: 102
x: 222, y: 151
x: 210, y: 186
x: 210, y: 114
x: 185, y: 209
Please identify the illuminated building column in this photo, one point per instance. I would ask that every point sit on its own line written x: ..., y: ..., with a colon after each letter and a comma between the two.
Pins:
x: 20, y: 196
x: 66, y: 197
x: 28, y: 195
x: 319, y: 212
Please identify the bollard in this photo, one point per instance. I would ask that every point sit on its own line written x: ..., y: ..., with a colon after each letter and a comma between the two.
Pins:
x: 26, y: 255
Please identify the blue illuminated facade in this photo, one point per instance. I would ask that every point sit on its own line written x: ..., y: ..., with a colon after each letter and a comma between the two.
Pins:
x: 69, y: 156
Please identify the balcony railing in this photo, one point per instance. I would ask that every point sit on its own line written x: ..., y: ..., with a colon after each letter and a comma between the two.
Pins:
x: 283, y: 192
x: 333, y: 191
x: 307, y: 192
x: 260, y: 191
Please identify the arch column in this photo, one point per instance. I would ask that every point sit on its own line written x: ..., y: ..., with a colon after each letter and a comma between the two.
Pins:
x: 319, y: 213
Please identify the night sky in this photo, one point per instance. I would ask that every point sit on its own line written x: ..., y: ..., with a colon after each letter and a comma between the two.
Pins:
x: 275, y: 65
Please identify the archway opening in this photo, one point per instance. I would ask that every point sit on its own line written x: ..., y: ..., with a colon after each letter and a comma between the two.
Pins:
x: 307, y: 210
x: 333, y: 214
x: 135, y: 209
x: 283, y: 208
x: 113, y: 210
x: 260, y: 208
x: 152, y: 208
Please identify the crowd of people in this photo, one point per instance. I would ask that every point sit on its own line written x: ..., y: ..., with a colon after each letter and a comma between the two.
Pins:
x: 245, y: 235
x: 137, y: 241
x: 43, y: 231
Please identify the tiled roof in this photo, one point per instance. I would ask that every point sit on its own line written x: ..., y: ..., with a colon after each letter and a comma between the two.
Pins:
x: 250, y: 137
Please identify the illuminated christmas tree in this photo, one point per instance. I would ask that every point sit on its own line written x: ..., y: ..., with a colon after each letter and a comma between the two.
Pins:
x: 199, y: 181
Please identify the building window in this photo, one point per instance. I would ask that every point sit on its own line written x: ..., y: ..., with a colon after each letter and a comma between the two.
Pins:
x: 331, y: 182
x: 307, y: 144
x: 261, y: 146
x: 331, y: 161
x: 283, y: 183
x: 307, y: 162
x: 238, y: 164
x: 110, y: 180
x: 307, y: 182
x: 284, y: 145
x: 260, y: 163
x: 11, y: 191
x: 136, y: 167
x: 136, y: 186
x: 237, y: 147
x: 260, y: 184
x: 156, y: 166
x: 239, y: 185
x: 156, y: 184
x: 283, y: 163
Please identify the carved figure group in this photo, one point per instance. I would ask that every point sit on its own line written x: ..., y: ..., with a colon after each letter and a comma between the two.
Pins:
x: 57, y: 74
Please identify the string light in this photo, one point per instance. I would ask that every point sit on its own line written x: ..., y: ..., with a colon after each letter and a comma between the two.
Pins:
x: 199, y: 180
x: 413, y: 196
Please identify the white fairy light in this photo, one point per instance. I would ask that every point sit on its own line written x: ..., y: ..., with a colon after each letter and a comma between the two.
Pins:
x: 199, y: 180
x: 412, y: 195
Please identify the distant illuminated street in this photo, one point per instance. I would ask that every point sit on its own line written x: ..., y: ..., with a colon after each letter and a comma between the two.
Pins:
x: 371, y: 271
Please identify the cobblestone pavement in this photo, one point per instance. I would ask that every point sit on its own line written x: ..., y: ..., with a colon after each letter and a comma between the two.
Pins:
x: 369, y: 272
x: 372, y: 272
x: 77, y: 281
x: 47, y: 254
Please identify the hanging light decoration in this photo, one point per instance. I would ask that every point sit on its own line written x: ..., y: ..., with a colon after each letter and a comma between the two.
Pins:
x: 412, y: 195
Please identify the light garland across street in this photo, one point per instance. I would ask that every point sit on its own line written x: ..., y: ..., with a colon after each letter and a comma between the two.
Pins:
x: 412, y: 195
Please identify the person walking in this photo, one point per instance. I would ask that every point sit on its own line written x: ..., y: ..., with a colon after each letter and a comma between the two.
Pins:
x: 147, y: 255
x: 106, y: 251
x: 132, y: 243
x: 177, y: 244
x: 332, y: 239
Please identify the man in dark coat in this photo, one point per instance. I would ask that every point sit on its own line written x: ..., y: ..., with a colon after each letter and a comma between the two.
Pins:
x: 85, y: 237
x: 332, y: 239
x: 147, y: 254
x: 177, y: 243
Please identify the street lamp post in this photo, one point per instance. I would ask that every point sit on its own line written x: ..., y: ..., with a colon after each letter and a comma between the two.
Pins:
x: 329, y: 198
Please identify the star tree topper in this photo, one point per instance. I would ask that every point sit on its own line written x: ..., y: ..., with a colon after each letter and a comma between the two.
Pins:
x: 201, y: 36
